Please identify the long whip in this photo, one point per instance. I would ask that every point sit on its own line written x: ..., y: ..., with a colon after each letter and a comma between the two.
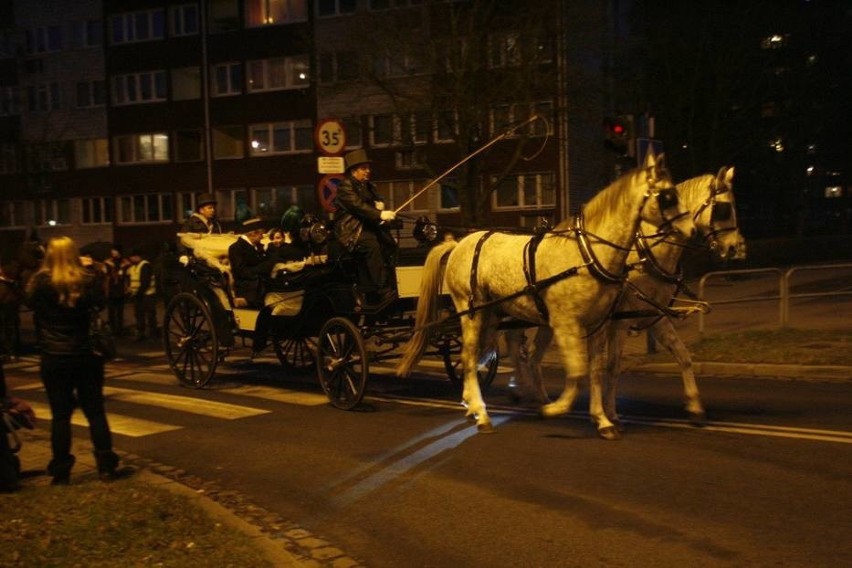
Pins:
x: 465, y: 159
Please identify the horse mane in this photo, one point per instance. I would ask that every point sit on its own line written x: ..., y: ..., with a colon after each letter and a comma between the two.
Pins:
x: 694, y: 190
x: 606, y: 199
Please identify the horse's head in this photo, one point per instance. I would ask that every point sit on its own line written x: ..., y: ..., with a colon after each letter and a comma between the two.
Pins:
x: 716, y: 217
x: 662, y: 206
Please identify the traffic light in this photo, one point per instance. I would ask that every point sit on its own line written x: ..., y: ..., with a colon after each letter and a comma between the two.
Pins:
x: 619, y: 134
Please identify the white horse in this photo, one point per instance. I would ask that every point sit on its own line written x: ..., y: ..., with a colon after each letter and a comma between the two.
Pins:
x: 652, y: 288
x: 568, y: 279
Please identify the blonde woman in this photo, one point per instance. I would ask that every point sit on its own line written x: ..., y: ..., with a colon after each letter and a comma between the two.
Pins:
x: 62, y: 294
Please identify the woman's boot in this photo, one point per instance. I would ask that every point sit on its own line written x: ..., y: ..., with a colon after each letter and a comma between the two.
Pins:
x: 61, y: 470
x: 108, y: 469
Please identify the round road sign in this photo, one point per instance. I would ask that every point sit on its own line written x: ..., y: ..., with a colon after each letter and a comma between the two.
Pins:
x: 327, y: 191
x: 330, y: 136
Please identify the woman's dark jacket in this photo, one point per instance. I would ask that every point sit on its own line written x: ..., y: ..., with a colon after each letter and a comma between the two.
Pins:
x: 63, y: 330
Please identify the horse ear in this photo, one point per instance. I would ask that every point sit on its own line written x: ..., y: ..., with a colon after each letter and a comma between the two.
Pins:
x: 729, y: 175
x: 650, y: 158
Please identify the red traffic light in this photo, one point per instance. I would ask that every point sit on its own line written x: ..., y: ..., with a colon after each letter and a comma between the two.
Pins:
x: 618, y: 129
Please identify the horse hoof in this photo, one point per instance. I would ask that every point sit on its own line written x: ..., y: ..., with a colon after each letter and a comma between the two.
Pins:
x: 619, y: 425
x: 609, y: 433
x: 485, y: 428
x: 698, y: 419
x: 547, y: 411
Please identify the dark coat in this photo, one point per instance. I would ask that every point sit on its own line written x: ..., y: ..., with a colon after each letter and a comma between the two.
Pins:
x: 63, y: 330
x: 357, y: 212
x: 196, y: 223
x: 250, y: 267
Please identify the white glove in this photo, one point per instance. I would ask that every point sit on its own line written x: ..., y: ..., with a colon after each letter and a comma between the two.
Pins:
x: 387, y: 215
x: 380, y: 205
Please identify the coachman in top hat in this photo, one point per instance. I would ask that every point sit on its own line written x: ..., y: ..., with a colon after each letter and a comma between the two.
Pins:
x: 360, y: 226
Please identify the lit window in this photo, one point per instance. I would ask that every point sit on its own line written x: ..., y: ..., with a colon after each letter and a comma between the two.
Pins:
x: 274, y: 12
x: 141, y: 148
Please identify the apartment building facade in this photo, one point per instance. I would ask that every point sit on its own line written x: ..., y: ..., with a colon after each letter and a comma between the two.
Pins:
x: 115, y: 114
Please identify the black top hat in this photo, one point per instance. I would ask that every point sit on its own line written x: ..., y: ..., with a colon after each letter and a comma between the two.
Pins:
x: 252, y: 224
x: 204, y: 199
x: 356, y: 158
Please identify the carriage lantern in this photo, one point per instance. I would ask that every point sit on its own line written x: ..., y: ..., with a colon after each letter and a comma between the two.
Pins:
x: 312, y: 230
x: 425, y: 231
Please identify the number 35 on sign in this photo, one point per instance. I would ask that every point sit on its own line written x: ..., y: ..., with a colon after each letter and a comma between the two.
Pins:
x: 330, y: 136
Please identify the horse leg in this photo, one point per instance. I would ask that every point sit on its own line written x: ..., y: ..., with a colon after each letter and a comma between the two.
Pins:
x: 471, y: 328
x: 574, y: 350
x: 665, y: 333
x: 612, y: 373
x: 543, y: 338
x: 603, y: 349
x: 516, y: 350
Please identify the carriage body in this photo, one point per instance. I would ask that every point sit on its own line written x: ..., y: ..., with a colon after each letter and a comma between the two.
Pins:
x: 320, y: 326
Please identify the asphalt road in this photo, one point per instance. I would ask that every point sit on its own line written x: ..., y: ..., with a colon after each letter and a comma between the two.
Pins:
x: 406, y: 481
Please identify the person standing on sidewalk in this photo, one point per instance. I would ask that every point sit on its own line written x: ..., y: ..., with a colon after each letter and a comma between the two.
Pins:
x: 142, y: 288
x: 116, y: 289
x: 62, y: 296
x: 21, y: 414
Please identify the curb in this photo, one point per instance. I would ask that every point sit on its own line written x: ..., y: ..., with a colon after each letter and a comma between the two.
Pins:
x: 278, y: 548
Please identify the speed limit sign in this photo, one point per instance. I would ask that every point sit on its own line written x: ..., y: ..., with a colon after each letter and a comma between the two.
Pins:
x: 330, y: 136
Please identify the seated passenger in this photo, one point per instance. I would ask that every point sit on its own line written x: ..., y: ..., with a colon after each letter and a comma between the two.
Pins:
x: 204, y: 218
x: 250, y: 265
x: 361, y: 227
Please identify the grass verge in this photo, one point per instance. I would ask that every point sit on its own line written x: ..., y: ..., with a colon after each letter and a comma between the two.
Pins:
x: 126, y: 523
x: 782, y: 346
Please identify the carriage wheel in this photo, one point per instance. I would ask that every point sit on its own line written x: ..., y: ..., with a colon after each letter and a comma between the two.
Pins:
x: 192, y: 348
x: 342, y: 363
x: 486, y: 369
x: 296, y: 355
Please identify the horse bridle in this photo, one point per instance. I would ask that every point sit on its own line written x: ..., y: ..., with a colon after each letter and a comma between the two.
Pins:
x: 720, y: 211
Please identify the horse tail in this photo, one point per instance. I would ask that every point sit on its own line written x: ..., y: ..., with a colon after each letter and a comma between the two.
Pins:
x: 427, y: 307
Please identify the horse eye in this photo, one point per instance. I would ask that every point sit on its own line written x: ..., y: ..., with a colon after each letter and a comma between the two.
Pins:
x: 722, y: 211
x: 667, y: 198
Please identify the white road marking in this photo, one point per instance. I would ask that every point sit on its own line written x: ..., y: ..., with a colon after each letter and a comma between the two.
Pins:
x: 184, y: 403
x: 118, y: 424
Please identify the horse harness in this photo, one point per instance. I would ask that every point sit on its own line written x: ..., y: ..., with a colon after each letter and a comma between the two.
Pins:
x: 533, y: 286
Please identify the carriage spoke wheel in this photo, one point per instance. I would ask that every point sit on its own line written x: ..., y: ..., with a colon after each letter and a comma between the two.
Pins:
x: 342, y: 363
x: 191, y: 345
x: 486, y: 367
x: 296, y: 355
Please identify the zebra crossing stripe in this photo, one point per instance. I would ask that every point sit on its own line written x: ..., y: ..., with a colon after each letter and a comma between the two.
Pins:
x: 282, y: 395
x: 192, y: 405
x: 118, y: 424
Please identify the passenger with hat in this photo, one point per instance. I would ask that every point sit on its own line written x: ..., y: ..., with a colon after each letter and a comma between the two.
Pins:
x: 204, y: 218
x: 360, y: 226
x: 250, y: 265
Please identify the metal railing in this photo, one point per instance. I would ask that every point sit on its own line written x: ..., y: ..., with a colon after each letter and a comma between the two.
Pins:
x: 784, y: 294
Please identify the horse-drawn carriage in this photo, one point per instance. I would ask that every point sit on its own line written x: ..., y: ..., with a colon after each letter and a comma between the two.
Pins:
x: 315, y: 321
